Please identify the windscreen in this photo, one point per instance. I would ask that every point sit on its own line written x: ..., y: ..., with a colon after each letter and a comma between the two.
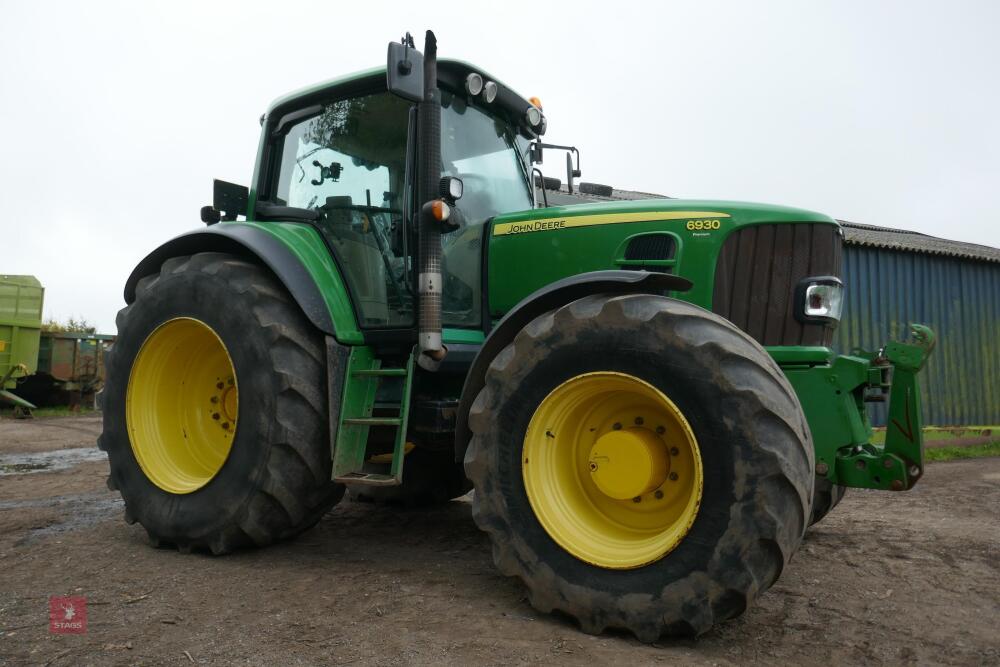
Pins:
x: 480, y: 150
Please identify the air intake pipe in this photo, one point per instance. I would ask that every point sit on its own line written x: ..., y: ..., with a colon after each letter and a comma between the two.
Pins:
x: 429, y: 282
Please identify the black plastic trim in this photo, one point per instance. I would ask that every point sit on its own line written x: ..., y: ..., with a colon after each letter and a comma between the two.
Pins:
x: 459, y: 359
x: 247, y: 242
x: 548, y: 298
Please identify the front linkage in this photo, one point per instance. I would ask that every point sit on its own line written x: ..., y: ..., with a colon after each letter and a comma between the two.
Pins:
x: 833, y: 397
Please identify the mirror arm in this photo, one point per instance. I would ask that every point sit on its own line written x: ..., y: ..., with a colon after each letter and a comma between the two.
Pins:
x: 541, y: 181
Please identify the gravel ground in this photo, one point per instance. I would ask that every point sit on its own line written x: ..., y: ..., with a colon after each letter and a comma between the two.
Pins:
x: 887, y: 578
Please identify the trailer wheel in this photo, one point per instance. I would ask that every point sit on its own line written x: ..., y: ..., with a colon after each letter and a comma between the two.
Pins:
x: 215, y: 409
x: 657, y: 486
x: 825, y: 497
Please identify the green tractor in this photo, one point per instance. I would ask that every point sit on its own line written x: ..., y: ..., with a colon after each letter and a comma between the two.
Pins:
x: 641, y: 393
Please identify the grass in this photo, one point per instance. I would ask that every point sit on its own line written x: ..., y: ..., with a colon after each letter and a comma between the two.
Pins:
x: 971, y: 452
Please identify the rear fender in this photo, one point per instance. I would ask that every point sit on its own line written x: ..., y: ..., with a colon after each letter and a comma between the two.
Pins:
x: 267, y: 249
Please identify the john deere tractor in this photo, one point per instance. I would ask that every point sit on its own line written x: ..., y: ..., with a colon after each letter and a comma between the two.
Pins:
x: 641, y: 393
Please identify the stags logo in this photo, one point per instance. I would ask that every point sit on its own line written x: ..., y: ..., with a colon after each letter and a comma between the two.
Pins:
x: 68, y: 615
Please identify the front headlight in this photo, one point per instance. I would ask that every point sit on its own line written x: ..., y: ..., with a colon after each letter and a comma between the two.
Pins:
x: 819, y: 300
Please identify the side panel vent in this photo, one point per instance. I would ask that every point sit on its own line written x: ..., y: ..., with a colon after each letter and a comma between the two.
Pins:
x: 651, y: 246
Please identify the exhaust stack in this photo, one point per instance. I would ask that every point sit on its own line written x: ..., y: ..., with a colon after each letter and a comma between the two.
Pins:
x: 429, y: 282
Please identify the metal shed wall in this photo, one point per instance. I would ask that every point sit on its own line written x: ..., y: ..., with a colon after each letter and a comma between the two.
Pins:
x: 958, y: 298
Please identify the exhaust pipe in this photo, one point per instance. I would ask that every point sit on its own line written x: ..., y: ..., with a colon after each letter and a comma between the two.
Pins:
x: 429, y: 282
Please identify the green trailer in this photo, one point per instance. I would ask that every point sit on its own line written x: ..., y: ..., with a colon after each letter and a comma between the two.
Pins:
x: 21, y: 299
x: 642, y: 394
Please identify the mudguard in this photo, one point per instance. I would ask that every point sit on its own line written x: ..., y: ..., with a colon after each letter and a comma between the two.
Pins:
x: 251, y: 243
x: 541, y: 301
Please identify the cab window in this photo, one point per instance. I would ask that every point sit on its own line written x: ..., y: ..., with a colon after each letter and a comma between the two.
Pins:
x: 349, y: 162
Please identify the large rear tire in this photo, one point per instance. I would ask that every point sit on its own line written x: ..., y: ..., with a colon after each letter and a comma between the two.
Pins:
x: 215, y: 408
x: 685, y: 397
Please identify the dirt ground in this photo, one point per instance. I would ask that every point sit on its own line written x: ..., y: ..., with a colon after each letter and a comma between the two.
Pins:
x: 886, y: 578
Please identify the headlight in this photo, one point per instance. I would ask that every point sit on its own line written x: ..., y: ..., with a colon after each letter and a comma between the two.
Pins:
x: 819, y: 300
x: 474, y: 83
x: 490, y: 91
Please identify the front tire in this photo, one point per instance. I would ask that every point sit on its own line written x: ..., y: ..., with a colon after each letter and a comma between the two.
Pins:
x: 215, y: 408
x: 586, y: 549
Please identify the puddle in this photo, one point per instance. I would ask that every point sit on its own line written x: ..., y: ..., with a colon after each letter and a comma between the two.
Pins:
x: 60, y: 459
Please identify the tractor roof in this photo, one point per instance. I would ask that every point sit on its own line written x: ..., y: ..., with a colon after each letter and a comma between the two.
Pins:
x: 451, y: 73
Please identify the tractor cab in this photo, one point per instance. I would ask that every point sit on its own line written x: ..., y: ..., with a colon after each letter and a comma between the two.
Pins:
x: 343, y: 157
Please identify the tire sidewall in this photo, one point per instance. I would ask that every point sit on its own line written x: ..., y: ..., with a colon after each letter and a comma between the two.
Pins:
x: 724, y: 528
x: 212, y: 300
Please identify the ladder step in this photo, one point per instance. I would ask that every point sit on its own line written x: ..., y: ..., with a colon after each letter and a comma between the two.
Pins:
x: 367, y: 479
x: 373, y: 421
x: 380, y: 372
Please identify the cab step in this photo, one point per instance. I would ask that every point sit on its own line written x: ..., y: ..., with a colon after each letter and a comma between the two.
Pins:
x: 350, y: 443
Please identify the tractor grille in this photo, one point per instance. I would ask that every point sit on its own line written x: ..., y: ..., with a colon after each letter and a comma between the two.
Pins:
x: 758, y: 270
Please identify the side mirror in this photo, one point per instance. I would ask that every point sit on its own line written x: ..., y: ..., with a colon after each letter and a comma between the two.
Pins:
x: 404, y: 70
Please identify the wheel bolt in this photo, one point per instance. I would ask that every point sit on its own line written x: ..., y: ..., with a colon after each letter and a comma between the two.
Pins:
x: 660, y: 430
x: 231, y: 382
x: 617, y: 426
x: 887, y: 464
x: 219, y: 385
x: 658, y: 494
x: 225, y: 425
x: 673, y: 477
x: 639, y: 421
x: 637, y: 499
x: 593, y: 467
x: 215, y: 416
x: 674, y: 451
x: 215, y: 399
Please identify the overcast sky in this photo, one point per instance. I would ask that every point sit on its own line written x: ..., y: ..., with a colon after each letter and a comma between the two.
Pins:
x: 116, y: 117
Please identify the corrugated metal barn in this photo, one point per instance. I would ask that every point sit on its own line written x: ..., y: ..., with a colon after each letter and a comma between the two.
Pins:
x: 894, y: 277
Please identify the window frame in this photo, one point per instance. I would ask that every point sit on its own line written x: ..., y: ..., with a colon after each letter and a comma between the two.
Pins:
x: 268, y: 182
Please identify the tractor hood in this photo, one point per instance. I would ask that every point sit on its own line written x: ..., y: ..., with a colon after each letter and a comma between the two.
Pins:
x: 678, y: 236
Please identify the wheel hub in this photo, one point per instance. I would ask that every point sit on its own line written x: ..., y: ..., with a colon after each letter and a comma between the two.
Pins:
x: 628, y: 463
x: 612, y: 470
x: 182, y: 404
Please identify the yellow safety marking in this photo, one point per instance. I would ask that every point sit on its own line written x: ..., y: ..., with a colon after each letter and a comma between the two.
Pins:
x: 546, y: 224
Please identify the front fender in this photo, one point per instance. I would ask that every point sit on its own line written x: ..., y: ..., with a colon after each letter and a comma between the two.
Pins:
x: 293, y: 252
x: 541, y: 301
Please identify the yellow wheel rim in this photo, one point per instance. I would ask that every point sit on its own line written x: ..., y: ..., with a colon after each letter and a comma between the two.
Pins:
x: 612, y: 470
x: 181, y: 405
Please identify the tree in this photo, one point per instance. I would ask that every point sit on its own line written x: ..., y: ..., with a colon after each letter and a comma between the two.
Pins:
x: 72, y: 325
